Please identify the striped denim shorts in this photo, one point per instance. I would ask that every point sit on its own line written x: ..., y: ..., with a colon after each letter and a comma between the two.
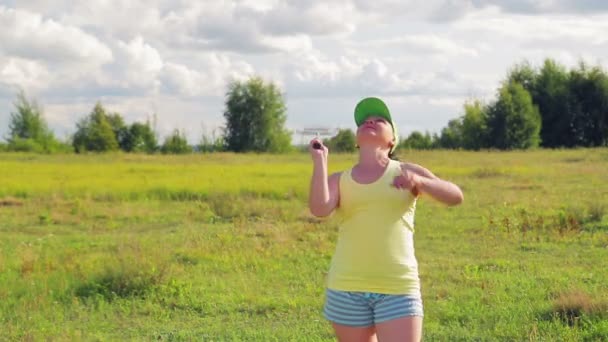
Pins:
x: 362, y: 309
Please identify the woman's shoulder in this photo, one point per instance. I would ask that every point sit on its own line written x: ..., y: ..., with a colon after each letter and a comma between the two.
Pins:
x: 398, y: 164
x: 410, y: 165
x: 417, y: 168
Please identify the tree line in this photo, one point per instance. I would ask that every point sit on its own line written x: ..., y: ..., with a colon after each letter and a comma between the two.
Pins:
x: 255, y: 114
x: 548, y: 107
x: 100, y: 131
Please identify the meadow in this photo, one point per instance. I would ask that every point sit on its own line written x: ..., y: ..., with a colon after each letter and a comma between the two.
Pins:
x: 221, y: 247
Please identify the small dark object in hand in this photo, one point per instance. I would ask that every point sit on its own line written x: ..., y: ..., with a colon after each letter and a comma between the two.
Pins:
x: 316, y: 146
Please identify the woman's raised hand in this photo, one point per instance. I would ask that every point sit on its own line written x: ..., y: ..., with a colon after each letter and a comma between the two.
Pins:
x: 317, y: 150
x: 407, y: 180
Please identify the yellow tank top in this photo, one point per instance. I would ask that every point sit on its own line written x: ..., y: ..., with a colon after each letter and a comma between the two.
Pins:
x: 375, y: 248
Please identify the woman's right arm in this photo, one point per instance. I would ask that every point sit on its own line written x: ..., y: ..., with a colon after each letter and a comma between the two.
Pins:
x: 324, y: 193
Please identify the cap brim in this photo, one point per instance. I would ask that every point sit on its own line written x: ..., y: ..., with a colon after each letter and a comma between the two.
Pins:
x: 371, y: 106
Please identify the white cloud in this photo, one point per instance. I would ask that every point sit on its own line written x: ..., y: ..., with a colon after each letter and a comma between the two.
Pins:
x: 141, y: 55
x: 140, y: 63
x: 527, y: 28
x: 545, y: 6
x: 23, y: 73
x: 210, y: 80
x: 451, y: 10
x: 424, y: 44
x: 293, y: 44
x: 107, y: 18
x: 321, y: 18
x: 259, y: 5
x: 28, y: 35
x: 180, y: 79
x: 316, y: 75
x: 121, y: 19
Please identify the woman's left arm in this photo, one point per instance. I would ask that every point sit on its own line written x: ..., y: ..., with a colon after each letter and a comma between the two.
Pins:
x: 426, y: 182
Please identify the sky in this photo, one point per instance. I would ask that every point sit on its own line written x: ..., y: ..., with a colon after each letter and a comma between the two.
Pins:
x: 174, y: 59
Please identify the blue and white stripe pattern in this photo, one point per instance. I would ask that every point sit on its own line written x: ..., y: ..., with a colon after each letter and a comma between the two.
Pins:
x: 362, y: 309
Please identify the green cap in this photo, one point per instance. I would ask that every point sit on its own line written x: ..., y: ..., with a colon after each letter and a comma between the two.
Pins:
x: 373, y: 106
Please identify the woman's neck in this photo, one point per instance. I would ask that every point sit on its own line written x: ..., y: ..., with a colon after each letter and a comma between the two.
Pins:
x: 373, y: 157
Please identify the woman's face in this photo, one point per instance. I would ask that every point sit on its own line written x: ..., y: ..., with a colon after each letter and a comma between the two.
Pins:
x: 374, y: 131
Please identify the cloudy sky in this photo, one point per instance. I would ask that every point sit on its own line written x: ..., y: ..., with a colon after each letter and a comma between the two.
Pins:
x: 175, y: 57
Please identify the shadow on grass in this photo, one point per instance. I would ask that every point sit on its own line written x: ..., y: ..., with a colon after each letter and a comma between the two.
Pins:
x: 571, y: 307
x: 121, y: 282
x: 487, y: 172
x: 10, y: 202
x: 565, y: 220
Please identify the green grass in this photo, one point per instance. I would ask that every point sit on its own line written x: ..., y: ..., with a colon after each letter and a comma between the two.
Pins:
x: 221, y: 247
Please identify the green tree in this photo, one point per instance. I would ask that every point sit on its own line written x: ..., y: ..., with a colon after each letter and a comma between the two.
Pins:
x: 451, y: 136
x: 138, y: 137
x: 176, y: 143
x: 572, y: 106
x: 211, y: 143
x: 588, y: 106
x: 513, y: 120
x: 418, y: 141
x: 120, y: 129
x: 28, y: 130
x: 255, y: 116
x: 525, y: 75
x: 95, y: 132
x: 551, y: 95
x: 344, y: 141
x: 474, y: 128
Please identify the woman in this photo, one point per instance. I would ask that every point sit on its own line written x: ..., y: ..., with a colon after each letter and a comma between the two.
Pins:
x: 373, y: 289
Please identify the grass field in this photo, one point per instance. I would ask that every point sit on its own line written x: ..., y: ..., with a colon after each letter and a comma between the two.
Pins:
x: 222, y: 248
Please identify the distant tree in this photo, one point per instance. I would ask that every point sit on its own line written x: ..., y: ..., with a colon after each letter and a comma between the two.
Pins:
x: 176, y: 143
x: 120, y: 129
x: 212, y: 142
x: 474, y: 128
x: 27, y: 122
x: 344, y: 141
x: 418, y: 141
x: 572, y: 104
x: 588, y: 106
x: 28, y: 130
x: 138, y: 137
x: 25, y: 145
x: 95, y: 132
x: 525, y: 75
x: 513, y: 120
x: 255, y: 116
x: 572, y: 107
x: 551, y: 95
x: 451, y: 136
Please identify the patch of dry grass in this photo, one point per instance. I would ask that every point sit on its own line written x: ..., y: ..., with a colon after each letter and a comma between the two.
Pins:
x: 570, y: 306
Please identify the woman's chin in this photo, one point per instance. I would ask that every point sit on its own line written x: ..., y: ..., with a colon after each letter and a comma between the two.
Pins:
x: 371, y: 142
x: 367, y: 134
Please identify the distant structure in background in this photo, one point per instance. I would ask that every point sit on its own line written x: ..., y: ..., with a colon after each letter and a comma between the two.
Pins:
x: 306, y: 134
